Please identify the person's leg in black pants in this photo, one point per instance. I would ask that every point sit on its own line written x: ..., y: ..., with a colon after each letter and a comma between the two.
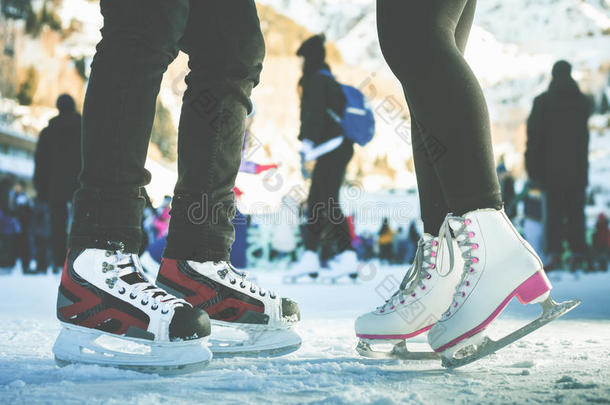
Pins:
x: 423, y: 42
x: 59, y: 223
x: 432, y: 201
x: 326, y: 218
x: 139, y: 40
x: 226, y: 50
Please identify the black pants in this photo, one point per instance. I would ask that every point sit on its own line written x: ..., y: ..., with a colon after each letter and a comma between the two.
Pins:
x: 565, y: 220
x: 423, y: 43
x: 59, y: 232
x: 327, y: 227
x: 140, y: 38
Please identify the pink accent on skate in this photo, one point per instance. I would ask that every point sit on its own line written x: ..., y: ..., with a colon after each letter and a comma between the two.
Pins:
x: 475, y: 245
x: 407, y: 336
x: 432, y: 265
x: 475, y: 259
x: 434, y: 243
x: 526, y: 292
x: 433, y: 254
x: 471, y: 234
x: 467, y: 221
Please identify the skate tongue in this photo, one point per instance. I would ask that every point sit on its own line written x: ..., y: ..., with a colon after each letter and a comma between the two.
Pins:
x: 133, y: 278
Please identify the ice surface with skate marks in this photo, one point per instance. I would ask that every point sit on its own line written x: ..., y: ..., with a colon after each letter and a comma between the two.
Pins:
x: 567, y: 361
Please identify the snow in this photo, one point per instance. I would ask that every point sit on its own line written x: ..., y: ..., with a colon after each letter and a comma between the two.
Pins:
x: 567, y: 361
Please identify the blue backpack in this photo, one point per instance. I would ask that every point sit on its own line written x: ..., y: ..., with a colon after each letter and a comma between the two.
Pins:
x: 358, y: 121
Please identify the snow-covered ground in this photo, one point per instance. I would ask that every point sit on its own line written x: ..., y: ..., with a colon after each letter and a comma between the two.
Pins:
x: 567, y: 361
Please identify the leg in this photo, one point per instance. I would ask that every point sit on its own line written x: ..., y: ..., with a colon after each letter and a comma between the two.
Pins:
x: 418, y: 40
x: 431, y: 199
x: 139, y: 40
x: 576, y: 222
x: 553, y: 224
x: 59, y: 223
x: 226, y: 51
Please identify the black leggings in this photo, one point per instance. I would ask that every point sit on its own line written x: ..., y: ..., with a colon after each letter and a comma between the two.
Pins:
x: 423, y: 42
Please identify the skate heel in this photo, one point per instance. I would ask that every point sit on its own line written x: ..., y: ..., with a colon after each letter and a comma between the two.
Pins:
x: 535, y: 289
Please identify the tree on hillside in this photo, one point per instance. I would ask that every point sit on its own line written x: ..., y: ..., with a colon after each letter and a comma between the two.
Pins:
x: 28, y: 87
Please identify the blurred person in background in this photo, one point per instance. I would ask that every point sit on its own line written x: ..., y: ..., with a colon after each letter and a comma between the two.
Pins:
x: 9, y: 225
x: 58, y: 163
x: 386, y: 242
x: 323, y: 141
x: 557, y: 162
x: 21, y: 208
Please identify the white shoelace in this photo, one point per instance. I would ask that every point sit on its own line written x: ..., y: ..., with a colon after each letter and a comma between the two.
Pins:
x: 234, y: 275
x: 463, y: 238
x: 120, y: 264
x: 415, y: 274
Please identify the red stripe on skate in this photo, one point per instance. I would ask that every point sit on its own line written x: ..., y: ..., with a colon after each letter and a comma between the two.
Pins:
x: 87, y: 301
x: 408, y: 335
x: 529, y: 290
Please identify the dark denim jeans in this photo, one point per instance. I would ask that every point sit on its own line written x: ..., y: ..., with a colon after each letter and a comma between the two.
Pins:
x: 140, y: 38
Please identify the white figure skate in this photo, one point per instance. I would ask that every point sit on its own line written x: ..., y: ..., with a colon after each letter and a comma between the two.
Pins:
x: 246, y: 320
x: 498, y: 265
x: 420, y: 301
x: 307, y: 268
x: 344, y: 265
x: 113, y: 316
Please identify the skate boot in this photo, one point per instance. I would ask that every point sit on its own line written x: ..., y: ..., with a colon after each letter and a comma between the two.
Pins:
x: 111, y: 315
x: 236, y: 306
x: 308, y: 267
x: 498, y: 265
x: 343, y: 265
x: 421, y: 299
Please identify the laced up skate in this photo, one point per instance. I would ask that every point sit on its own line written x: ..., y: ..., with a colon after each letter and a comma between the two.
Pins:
x: 498, y: 265
x: 112, y: 315
x: 247, y: 320
x: 307, y: 267
x: 423, y: 295
x: 343, y: 265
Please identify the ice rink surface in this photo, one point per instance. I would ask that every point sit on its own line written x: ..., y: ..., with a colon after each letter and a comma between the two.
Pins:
x: 567, y: 361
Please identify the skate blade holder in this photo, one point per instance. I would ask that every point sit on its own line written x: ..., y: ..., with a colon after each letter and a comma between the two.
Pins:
x: 78, y: 345
x: 391, y: 349
x: 228, y: 340
x: 478, y: 346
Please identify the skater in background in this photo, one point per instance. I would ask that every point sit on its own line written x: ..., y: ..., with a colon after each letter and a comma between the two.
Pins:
x: 470, y: 259
x: 323, y: 140
x: 557, y: 162
x: 21, y: 207
x: 225, y: 47
x: 386, y: 242
x: 57, y: 164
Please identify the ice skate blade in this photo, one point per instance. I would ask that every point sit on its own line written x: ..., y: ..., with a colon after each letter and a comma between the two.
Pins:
x: 334, y: 279
x: 399, y: 351
x: 295, y: 279
x: 79, y: 345
x: 251, y: 341
x: 550, y: 311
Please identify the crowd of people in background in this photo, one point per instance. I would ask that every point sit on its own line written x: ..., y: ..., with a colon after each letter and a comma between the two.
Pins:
x: 35, y: 216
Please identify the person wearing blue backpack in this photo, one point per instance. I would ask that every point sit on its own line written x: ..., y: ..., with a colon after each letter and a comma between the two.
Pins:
x: 324, y: 138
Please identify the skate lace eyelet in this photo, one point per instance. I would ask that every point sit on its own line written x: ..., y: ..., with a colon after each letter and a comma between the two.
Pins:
x: 154, y: 307
x: 164, y: 311
x: 402, y: 301
x: 472, y: 269
x: 475, y: 246
x: 467, y: 222
x: 381, y: 311
x: 252, y: 290
x: 455, y: 305
x: 471, y: 234
x: 273, y: 296
x: 414, y: 295
x: 433, y: 254
x: 428, y: 276
x: 242, y: 285
x: 434, y: 243
x: 432, y: 265
x: 392, y: 307
x: 423, y: 287
x: 463, y: 294
x: 122, y: 290
x: 144, y: 302
x: 233, y: 281
x: 475, y: 259
x: 262, y: 294
x: 467, y: 283
x: 133, y: 297
x: 108, y: 253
